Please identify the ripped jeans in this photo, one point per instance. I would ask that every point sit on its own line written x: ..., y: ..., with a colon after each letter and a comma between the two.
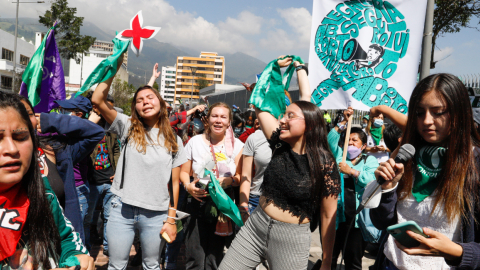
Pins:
x: 121, y: 225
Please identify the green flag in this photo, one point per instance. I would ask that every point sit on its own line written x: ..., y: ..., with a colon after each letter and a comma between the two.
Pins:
x: 268, y: 94
x: 107, y: 68
x: 33, y: 74
x: 222, y: 201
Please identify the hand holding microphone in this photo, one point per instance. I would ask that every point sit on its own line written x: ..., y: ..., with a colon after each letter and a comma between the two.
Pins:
x: 390, y: 172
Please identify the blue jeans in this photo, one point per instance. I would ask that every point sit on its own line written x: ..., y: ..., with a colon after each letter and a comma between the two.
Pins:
x: 171, y: 253
x: 123, y: 221
x: 95, y: 193
x: 253, y: 203
x: 82, y: 192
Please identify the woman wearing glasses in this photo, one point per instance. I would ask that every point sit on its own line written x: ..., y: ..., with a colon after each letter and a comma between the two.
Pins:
x: 300, y: 185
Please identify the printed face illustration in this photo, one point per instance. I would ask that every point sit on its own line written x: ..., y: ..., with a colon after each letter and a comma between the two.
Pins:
x: 372, y: 54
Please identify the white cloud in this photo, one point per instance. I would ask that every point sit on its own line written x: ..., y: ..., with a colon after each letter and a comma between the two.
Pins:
x: 300, y: 20
x: 278, y: 40
x: 246, y: 32
x: 246, y: 23
x: 445, y: 57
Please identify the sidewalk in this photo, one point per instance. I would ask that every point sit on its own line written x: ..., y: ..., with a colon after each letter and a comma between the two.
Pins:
x: 101, y: 261
x: 316, y: 253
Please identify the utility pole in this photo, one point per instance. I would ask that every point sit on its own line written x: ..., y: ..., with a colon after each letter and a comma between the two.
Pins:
x: 15, y: 50
x: 15, y: 42
x: 427, y: 41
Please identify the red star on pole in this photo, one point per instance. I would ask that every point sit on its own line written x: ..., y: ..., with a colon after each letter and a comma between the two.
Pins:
x: 137, y: 34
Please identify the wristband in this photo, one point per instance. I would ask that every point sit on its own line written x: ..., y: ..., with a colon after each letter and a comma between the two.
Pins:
x: 171, y: 217
x: 341, y: 127
x: 300, y: 67
x: 174, y: 223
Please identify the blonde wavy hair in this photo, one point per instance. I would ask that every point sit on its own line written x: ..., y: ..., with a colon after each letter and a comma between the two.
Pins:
x: 138, y: 128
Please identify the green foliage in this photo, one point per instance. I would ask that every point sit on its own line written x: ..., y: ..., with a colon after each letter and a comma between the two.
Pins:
x: 122, y: 93
x: 201, y: 81
x: 70, y: 43
x: 450, y: 16
x: 155, y: 85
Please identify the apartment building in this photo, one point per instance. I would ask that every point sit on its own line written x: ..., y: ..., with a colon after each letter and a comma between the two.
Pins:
x: 209, y: 65
x: 167, y: 83
x: 77, y: 74
x: 25, y: 51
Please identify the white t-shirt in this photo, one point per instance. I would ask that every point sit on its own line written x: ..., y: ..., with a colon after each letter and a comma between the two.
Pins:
x: 380, y: 156
x: 409, y: 209
x: 198, y: 151
x: 146, y: 174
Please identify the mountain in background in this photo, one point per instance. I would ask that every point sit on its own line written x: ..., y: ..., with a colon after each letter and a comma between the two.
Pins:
x: 239, y: 67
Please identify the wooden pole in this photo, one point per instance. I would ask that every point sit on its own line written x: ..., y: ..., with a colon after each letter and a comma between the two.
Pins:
x: 347, y: 138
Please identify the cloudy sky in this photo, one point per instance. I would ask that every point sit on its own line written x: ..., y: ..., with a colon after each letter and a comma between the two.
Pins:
x: 264, y: 29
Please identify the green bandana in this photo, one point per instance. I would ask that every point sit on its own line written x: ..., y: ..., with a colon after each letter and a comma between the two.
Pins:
x: 222, y: 201
x: 268, y: 94
x: 429, y: 161
x: 376, y: 134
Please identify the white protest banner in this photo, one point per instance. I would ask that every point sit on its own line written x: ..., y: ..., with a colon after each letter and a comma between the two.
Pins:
x: 365, y: 52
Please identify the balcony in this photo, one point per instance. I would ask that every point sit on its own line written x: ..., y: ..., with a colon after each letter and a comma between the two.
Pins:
x: 8, y: 66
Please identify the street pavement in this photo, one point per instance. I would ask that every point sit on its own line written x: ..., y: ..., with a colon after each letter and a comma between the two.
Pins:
x: 101, y: 261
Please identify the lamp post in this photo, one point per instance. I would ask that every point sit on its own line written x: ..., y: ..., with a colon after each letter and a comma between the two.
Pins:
x: 15, y: 42
x: 193, y: 70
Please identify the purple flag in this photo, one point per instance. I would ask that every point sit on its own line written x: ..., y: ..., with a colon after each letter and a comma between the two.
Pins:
x: 53, y: 79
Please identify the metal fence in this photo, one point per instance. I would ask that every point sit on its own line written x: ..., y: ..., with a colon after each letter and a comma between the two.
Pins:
x: 472, y: 80
x: 240, y: 99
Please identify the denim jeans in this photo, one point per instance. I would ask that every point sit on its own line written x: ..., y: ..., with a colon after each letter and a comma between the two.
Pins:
x: 82, y: 192
x: 173, y: 249
x: 123, y: 221
x: 96, y: 192
x: 253, y: 203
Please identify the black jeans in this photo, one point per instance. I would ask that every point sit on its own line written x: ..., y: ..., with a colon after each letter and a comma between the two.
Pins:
x: 204, y: 249
x: 355, y: 247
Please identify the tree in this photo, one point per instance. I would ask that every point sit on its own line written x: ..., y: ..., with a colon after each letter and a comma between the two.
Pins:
x: 450, y: 16
x: 70, y: 43
x: 202, y: 81
x: 122, y: 93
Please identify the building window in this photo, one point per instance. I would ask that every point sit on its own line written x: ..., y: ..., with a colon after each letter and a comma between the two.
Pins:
x: 24, y: 60
x: 6, y: 82
x: 7, y: 54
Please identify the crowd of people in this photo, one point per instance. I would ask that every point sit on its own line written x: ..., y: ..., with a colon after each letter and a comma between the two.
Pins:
x: 288, y: 176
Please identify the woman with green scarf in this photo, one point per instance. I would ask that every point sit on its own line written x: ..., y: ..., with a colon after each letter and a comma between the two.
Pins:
x: 439, y: 187
x: 375, y: 145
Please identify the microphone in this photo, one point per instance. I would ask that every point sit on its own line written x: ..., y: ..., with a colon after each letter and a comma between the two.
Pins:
x: 405, y: 153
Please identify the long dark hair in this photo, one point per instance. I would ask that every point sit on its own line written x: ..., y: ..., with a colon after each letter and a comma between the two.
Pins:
x: 457, y: 190
x: 316, y: 147
x: 44, y: 238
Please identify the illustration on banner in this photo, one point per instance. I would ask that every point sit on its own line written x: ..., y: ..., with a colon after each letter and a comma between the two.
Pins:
x: 366, y: 70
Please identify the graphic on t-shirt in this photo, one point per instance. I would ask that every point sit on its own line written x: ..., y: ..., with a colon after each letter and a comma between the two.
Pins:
x: 42, y: 163
x: 220, y: 157
x: 102, y: 162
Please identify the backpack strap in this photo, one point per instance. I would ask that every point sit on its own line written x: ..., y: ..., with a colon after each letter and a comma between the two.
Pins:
x: 125, y: 144
x: 170, y: 184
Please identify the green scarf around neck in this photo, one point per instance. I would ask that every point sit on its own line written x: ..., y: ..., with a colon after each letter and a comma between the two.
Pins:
x: 268, y: 94
x: 429, y: 162
x: 376, y: 134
